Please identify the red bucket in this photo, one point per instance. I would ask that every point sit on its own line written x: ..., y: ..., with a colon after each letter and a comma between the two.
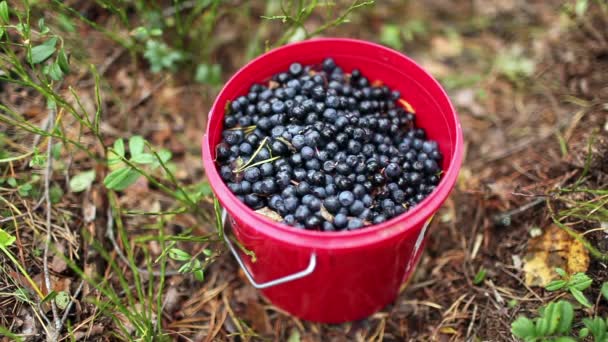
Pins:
x: 335, y: 277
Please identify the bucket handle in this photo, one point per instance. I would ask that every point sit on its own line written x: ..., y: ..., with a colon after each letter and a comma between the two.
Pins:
x: 312, y: 264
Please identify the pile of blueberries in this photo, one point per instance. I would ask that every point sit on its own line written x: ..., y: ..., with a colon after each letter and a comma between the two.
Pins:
x: 326, y: 150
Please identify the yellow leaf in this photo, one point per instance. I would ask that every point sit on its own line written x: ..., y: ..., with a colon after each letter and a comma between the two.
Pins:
x: 554, y: 248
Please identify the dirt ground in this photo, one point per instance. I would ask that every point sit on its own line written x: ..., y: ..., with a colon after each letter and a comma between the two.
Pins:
x: 530, y: 83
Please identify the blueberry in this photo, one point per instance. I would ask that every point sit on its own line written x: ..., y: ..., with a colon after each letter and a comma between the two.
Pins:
x: 226, y: 173
x: 354, y: 223
x: 356, y: 208
x: 269, y: 186
x: 340, y: 221
x: 278, y: 107
x: 328, y: 226
x: 298, y: 141
x: 254, y: 201
x: 222, y: 151
x: 252, y: 174
x: 302, y: 213
x: 295, y: 69
x: 359, y: 191
x: 329, y: 64
x: 291, y: 203
x: 379, y: 219
x: 392, y: 171
x: 307, y: 153
x: 312, y: 221
x: 302, y: 188
x: 346, y: 198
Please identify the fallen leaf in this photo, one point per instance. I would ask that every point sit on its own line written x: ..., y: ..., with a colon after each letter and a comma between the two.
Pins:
x: 58, y: 265
x: 271, y: 214
x: 554, y: 248
x: 259, y: 318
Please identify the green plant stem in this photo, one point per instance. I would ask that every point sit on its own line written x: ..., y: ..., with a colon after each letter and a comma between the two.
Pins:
x: 580, y: 238
x: 23, y: 272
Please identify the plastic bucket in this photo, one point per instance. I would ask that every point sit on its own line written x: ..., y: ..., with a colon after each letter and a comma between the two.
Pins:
x: 335, y: 277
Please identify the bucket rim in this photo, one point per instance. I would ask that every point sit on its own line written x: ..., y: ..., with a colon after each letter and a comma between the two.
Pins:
x: 339, y: 239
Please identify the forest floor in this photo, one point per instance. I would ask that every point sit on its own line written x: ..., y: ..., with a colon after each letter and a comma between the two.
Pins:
x: 529, y: 81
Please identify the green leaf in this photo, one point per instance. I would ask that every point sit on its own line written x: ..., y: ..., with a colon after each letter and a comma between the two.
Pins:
x: 55, y: 192
x: 185, y: 268
x: 42, y: 26
x: 580, y: 297
x: 4, y: 14
x: 49, y: 297
x: 24, y: 189
x: 54, y: 71
x: 144, y: 158
x: 6, y: 239
x: 199, y: 275
x: 38, y: 160
x: 583, y: 333
x: 42, y: 52
x: 391, y: 36
x: 523, y: 327
x: 136, y: 145
x: 580, y: 281
x: 597, y: 327
x: 480, y: 276
x: 63, y: 62
x: 12, y: 182
x: 565, y: 316
x: 604, y: 290
x: 119, y: 147
x: 62, y: 300
x: 295, y: 336
x: 82, y: 181
x: 207, y: 252
x: 562, y: 273
x: 551, y: 315
x: 117, y: 152
x: 208, y: 74
x: 581, y: 7
x: 178, y: 254
x: 121, y: 178
x: 556, y: 285
x: 563, y: 339
x: 164, y: 156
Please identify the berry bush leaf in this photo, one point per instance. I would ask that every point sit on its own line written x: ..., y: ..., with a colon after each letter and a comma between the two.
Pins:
x: 62, y: 61
x: 6, y: 239
x: 208, y: 74
x: 580, y: 297
x: 480, y: 276
x: 121, y: 178
x: 82, y: 181
x: 62, y: 300
x: 556, y: 285
x: 118, y: 151
x: 178, y: 254
x: 597, y: 327
x: 144, y: 158
x: 561, y: 272
x: 604, y: 290
x: 523, y: 327
x: 54, y: 71
x: 136, y: 145
x: 566, y: 315
x: 199, y: 275
x: 580, y: 281
x: 42, y: 52
x: 4, y: 12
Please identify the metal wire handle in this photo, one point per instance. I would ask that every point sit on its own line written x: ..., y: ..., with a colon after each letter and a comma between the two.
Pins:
x: 312, y: 264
